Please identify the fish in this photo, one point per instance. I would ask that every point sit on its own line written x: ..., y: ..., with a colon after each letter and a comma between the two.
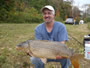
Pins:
x: 45, y: 49
x: 48, y: 49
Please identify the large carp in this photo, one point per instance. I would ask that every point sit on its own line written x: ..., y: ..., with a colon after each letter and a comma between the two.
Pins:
x: 49, y: 49
x: 45, y: 49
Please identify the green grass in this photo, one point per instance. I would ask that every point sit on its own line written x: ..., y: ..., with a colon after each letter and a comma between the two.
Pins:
x: 12, y: 34
x: 78, y: 32
x: 89, y: 25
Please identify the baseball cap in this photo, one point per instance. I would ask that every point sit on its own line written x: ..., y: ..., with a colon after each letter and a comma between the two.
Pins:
x: 48, y: 7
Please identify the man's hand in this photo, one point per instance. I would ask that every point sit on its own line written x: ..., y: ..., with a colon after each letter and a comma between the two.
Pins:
x: 59, y: 57
x: 44, y: 60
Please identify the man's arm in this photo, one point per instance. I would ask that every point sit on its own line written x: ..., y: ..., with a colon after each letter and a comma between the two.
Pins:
x: 38, y: 35
x: 62, y: 34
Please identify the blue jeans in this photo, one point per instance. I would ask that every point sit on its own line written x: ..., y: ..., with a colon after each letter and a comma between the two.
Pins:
x: 65, y: 63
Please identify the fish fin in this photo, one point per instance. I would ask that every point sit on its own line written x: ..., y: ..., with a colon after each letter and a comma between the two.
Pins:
x: 44, y: 60
x: 75, y: 63
x: 75, y: 60
x: 77, y: 56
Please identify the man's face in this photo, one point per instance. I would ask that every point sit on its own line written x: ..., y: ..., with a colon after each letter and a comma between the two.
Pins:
x: 48, y: 16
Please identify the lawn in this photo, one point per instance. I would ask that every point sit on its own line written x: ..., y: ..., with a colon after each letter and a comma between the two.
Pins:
x: 12, y: 34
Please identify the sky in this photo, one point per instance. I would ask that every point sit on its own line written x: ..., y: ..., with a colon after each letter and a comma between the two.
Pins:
x: 80, y: 3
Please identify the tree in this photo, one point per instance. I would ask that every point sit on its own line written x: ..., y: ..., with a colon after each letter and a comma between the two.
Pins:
x: 5, y: 7
x: 88, y: 11
x: 37, y: 4
x: 62, y: 7
x: 76, y: 11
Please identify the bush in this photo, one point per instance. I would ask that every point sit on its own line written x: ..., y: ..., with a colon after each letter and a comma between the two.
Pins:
x: 29, y: 15
x: 3, y: 14
x: 87, y: 19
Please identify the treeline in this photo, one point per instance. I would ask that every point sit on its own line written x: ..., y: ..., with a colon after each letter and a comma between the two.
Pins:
x: 22, y: 11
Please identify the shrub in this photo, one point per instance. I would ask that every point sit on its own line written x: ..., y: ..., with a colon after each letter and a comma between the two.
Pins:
x: 87, y: 19
x: 29, y: 15
x: 3, y: 14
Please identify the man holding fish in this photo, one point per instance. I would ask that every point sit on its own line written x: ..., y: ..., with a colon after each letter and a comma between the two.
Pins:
x: 53, y: 31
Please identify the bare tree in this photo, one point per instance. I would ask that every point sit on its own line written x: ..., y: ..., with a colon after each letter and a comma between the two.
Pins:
x: 76, y: 11
x: 86, y: 10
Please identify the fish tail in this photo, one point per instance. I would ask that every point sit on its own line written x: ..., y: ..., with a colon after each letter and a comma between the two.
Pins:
x: 75, y: 63
x: 75, y: 60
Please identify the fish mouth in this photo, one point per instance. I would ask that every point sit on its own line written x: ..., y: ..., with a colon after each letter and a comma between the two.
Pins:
x: 19, y: 48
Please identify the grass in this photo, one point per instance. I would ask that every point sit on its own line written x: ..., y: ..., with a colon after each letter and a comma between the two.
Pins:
x: 12, y: 34
x: 77, y: 32
x: 89, y: 25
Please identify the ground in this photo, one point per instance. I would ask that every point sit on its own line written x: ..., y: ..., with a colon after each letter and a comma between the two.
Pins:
x: 12, y: 34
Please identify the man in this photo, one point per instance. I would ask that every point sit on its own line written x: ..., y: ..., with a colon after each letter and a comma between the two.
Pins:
x: 53, y: 31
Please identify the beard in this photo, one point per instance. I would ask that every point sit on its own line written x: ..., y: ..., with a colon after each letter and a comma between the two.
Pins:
x: 48, y: 21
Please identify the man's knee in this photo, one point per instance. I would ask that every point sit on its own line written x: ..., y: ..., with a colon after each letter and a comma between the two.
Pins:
x: 35, y: 60
x: 65, y: 63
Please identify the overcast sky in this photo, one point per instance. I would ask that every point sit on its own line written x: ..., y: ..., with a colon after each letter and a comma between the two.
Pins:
x: 80, y: 3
